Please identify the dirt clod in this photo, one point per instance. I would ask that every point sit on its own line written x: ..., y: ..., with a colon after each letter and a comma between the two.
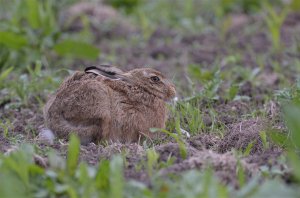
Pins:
x: 240, y: 135
x: 224, y: 165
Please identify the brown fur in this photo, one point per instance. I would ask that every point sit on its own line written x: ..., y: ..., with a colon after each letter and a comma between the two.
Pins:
x: 100, y: 108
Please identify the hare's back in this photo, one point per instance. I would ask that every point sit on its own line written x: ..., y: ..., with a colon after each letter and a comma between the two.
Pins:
x: 81, y: 101
x: 85, y: 98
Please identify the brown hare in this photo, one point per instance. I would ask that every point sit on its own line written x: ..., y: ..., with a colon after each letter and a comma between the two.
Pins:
x: 105, y: 103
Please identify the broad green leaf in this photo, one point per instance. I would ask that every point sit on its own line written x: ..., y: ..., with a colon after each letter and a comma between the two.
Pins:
x: 77, y: 49
x: 292, y: 115
x: 249, y: 188
x: 12, y: 186
x: 295, y: 163
x: 73, y: 154
x: 12, y: 40
x: 275, y: 189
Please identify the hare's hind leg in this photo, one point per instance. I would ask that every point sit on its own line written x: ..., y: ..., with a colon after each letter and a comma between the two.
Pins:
x: 106, y: 132
x: 85, y: 134
x: 63, y: 129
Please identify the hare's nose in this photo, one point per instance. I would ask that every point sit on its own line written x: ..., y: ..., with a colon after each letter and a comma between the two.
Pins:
x: 173, y: 90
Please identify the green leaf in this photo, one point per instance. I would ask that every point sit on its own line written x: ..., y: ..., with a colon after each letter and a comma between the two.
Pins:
x: 295, y: 163
x: 12, y: 40
x: 177, y: 137
x: 241, y: 174
x: 77, y: 49
x: 102, y: 177
x: 5, y: 73
x: 263, y: 137
x: 295, y: 5
x: 292, y: 115
x: 12, y: 186
x: 73, y: 154
x: 232, y: 92
x: 152, y: 158
x: 275, y: 189
x: 116, y: 177
x: 279, y: 138
x: 249, y: 148
x: 33, y: 13
x: 249, y: 188
x: 195, y: 71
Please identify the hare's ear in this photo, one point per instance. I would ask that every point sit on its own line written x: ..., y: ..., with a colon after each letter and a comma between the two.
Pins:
x: 104, y: 70
x: 110, y: 69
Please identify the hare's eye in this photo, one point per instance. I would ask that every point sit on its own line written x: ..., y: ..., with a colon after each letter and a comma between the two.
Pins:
x: 154, y: 78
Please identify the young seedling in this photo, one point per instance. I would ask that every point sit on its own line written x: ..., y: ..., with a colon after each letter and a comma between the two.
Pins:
x: 263, y: 137
x: 152, y: 160
x: 177, y: 137
x: 274, y: 23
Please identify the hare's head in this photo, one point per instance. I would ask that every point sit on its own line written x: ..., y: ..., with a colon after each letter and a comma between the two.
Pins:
x: 153, y: 82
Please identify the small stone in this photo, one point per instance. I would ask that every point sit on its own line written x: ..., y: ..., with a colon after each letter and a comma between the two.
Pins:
x: 46, y: 137
x: 184, y: 132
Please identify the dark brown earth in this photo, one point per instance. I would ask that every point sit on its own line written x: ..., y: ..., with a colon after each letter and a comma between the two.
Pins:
x: 205, y: 149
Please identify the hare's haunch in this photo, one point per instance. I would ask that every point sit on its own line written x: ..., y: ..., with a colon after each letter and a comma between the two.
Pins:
x: 105, y: 103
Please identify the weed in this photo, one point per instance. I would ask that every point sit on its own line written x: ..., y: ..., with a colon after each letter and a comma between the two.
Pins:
x: 3, y: 75
x: 240, y: 174
x: 289, y: 95
x: 32, y: 32
x: 177, y: 137
x: 190, y: 117
x: 249, y: 147
x: 152, y: 158
x: 6, y: 127
x: 274, y: 22
x: 34, y: 85
x: 263, y: 137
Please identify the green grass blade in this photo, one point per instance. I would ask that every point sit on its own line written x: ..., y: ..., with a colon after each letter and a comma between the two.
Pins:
x: 73, y: 154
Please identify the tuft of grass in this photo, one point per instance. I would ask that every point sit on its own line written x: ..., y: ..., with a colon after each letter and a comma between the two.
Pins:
x: 177, y: 136
x: 190, y: 117
x: 33, y: 85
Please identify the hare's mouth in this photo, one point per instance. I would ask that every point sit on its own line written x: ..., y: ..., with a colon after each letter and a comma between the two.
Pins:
x: 172, y: 101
